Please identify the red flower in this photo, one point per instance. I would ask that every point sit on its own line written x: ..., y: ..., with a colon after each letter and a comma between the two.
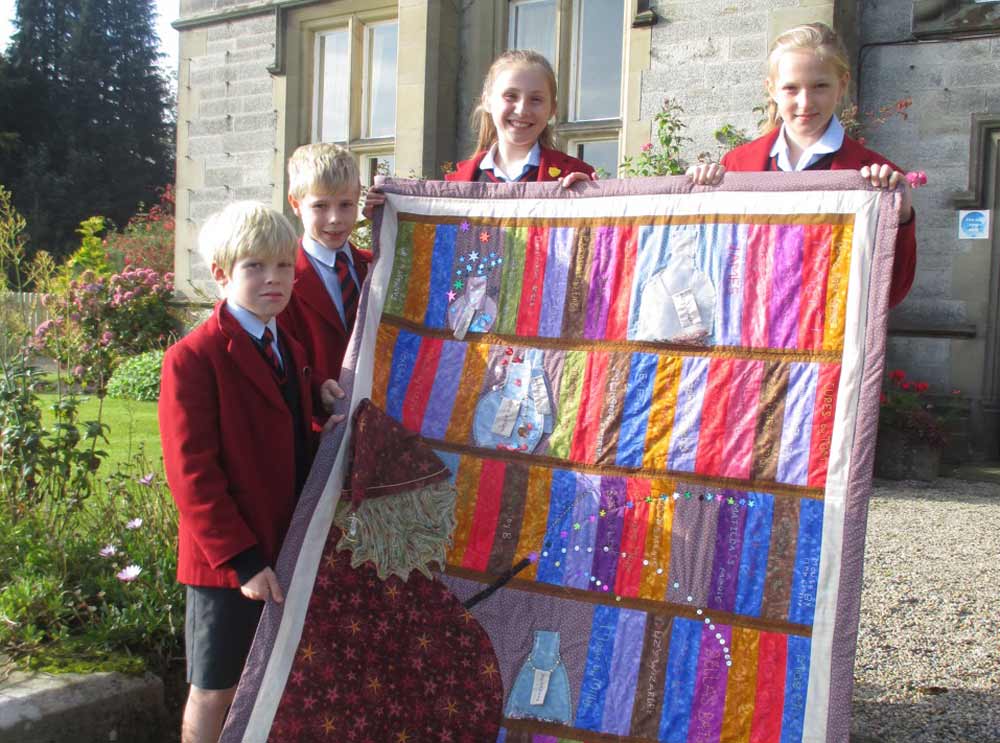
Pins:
x: 906, y: 385
x: 922, y: 386
x: 883, y: 399
x: 897, y: 376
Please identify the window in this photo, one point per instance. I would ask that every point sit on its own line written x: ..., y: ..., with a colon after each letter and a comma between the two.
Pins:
x: 583, y: 39
x: 354, y: 91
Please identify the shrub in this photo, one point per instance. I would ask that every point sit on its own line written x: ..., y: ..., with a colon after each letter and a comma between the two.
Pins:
x: 99, y: 321
x: 148, y: 239
x: 137, y: 378
x: 664, y: 157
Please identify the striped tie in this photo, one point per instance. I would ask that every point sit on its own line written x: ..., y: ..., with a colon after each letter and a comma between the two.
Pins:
x: 348, y: 289
x: 267, y: 346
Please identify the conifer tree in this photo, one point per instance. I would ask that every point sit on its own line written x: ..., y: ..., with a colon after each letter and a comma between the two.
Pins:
x: 88, y: 115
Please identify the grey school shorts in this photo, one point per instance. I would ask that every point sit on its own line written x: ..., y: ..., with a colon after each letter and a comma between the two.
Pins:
x: 219, y: 625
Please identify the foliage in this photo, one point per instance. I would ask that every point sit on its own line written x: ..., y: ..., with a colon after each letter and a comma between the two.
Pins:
x: 907, y: 407
x: 100, y: 320
x: 90, y: 256
x: 137, y: 378
x: 663, y: 158
x: 84, y: 99
x: 855, y: 123
x: 728, y: 137
x: 148, y: 239
x: 38, y: 463
x: 104, y: 589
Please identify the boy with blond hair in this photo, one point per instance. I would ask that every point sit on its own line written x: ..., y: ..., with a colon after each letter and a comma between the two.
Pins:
x: 323, y: 191
x: 235, y: 409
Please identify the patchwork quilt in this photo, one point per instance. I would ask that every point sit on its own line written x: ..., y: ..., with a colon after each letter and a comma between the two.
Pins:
x: 662, y: 399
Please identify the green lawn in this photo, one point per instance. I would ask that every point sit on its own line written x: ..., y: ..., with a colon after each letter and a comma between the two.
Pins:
x: 132, y: 424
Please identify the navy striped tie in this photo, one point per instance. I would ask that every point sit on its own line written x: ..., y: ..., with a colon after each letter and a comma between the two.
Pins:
x: 348, y: 289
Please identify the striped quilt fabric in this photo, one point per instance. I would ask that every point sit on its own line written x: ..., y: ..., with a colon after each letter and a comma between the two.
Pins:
x: 665, y: 398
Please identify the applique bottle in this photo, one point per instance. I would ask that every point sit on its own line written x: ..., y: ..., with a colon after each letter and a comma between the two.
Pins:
x: 541, y: 689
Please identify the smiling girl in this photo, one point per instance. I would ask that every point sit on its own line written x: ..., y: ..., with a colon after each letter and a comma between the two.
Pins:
x: 807, y: 77
x: 512, y: 122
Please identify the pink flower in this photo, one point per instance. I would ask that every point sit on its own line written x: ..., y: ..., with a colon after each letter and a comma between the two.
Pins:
x: 917, y: 178
x: 108, y: 550
x: 128, y: 574
x: 647, y: 147
x: 134, y: 524
x: 78, y: 371
x: 146, y: 480
x: 106, y: 337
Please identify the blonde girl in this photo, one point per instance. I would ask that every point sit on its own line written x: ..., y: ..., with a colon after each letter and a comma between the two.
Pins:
x: 808, y: 73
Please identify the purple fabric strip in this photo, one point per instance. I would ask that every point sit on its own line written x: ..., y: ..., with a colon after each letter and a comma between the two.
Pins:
x: 786, y: 287
x: 442, y: 398
x: 554, y: 290
x: 730, y: 302
x: 728, y: 549
x: 581, y: 527
x: 601, y: 275
x: 692, y: 546
x: 625, y: 662
x: 609, y: 533
x: 710, y: 685
x: 796, y: 430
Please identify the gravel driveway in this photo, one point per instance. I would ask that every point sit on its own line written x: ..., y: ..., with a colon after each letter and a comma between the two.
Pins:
x: 928, y: 664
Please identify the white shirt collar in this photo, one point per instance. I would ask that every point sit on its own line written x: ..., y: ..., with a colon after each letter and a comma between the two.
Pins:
x: 534, y: 159
x: 250, y: 322
x: 831, y: 141
x: 323, y: 254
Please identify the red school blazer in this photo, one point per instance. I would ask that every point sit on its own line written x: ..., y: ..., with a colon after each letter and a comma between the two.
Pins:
x: 553, y: 165
x: 228, y: 447
x: 312, y: 319
x: 755, y: 156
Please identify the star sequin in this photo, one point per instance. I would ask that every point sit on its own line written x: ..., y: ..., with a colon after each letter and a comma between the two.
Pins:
x: 451, y: 296
x: 484, y: 236
x: 464, y: 226
x: 458, y: 284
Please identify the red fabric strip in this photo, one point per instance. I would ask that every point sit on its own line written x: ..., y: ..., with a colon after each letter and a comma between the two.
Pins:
x: 822, y: 428
x: 530, y: 308
x: 770, y: 698
x: 815, y: 269
x: 713, y: 417
x: 595, y: 379
x: 484, y: 522
x: 418, y: 392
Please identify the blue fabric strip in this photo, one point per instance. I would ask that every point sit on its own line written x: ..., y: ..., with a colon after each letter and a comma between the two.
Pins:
x: 404, y: 356
x: 687, y: 418
x: 729, y: 290
x: 651, y: 255
x: 562, y: 496
x: 796, y: 687
x: 582, y: 526
x: 753, y: 560
x: 796, y: 430
x: 442, y: 261
x: 806, y: 576
x: 561, y: 241
x: 445, y: 389
x: 635, y: 413
x: 682, y: 671
x: 597, y: 673
x: 625, y: 662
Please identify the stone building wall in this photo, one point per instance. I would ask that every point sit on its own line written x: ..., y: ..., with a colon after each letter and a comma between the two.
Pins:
x: 228, y: 127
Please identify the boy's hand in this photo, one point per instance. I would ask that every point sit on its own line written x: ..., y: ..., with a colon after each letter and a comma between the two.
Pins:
x: 570, y: 179
x: 883, y: 176
x: 329, y: 393
x: 706, y: 174
x: 373, y: 198
x: 263, y: 587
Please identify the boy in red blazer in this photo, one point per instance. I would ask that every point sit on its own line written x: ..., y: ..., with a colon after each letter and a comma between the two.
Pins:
x: 235, y: 410
x: 323, y: 190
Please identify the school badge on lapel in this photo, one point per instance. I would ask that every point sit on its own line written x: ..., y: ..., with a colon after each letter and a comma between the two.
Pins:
x: 554, y: 172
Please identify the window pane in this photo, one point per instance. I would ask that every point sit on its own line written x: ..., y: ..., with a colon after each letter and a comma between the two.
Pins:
x: 598, y: 65
x: 602, y: 154
x: 380, y: 165
x: 381, y: 82
x: 533, y: 26
x: 333, y: 78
